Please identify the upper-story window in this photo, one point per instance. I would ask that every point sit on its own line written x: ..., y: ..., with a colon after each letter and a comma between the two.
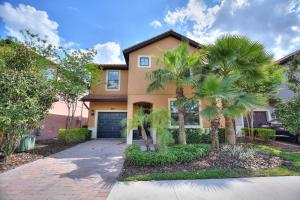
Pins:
x: 113, y: 80
x: 191, y: 115
x: 144, y: 61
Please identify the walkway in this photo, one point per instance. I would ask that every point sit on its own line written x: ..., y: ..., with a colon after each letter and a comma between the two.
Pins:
x: 85, y: 171
x: 264, y: 188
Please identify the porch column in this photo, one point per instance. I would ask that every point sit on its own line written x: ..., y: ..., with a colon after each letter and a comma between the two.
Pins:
x: 129, y: 116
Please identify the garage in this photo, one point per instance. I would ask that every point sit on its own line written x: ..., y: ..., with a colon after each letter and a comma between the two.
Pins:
x: 109, y: 124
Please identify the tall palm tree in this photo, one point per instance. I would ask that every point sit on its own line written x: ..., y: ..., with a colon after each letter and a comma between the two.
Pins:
x: 176, y: 68
x: 217, y: 90
x: 236, y: 55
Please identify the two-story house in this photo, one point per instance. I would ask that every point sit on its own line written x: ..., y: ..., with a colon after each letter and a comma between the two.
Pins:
x: 124, y: 89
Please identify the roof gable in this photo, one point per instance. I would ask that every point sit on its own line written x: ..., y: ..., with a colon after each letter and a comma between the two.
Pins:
x: 169, y: 33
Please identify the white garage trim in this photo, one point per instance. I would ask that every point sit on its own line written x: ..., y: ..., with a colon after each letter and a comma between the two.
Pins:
x: 94, y: 133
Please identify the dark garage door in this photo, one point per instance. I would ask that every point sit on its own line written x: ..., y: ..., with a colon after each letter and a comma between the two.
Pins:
x: 109, y: 124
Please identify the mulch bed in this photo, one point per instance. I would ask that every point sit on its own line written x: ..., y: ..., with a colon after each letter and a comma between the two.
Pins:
x: 216, y: 160
x: 42, y: 149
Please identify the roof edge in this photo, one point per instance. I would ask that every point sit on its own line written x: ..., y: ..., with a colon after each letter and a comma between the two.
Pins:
x: 157, y: 38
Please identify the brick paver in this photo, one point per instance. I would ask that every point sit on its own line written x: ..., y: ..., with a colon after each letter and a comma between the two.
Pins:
x: 86, y: 171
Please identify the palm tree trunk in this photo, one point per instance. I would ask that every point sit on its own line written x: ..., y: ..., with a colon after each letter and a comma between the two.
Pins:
x: 145, y: 138
x: 182, y: 136
x: 215, y: 123
x: 229, y: 131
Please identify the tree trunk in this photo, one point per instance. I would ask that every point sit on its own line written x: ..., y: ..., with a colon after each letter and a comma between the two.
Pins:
x: 252, y: 124
x: 145, y: 138
x: 229, y: 131
x: 182, y: 136
x: 215, y: 123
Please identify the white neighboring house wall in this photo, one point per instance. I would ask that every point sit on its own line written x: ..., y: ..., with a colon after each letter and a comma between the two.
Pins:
x: 239, y: 123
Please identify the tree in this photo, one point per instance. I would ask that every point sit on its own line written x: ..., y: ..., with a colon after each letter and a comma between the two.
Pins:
x: 293, y: 74
x: 246, y: 59
x: 140, y: 119
x: 288, y: 114
x: 217, y: 90
x: 25, y: 93
x: 75, y: 75
x: 177, y: 66
x: 158, y: 119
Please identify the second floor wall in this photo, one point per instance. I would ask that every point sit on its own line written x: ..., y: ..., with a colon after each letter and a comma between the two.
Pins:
x: 113, y: 82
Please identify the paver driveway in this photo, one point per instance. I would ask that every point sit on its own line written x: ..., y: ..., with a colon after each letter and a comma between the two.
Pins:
x: 86, y: 171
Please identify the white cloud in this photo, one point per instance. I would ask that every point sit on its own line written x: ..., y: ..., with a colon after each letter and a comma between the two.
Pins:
x: 275, y: 23
x: 156, y: 24
x: 27, y: 17
x: 107, y: 53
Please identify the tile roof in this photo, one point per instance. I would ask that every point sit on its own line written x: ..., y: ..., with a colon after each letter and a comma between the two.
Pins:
x: 104, y: 98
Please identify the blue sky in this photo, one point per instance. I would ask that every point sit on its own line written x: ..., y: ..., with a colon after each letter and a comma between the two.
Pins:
x: 110, y: 26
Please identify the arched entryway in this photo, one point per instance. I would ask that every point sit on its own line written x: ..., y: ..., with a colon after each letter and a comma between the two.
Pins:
x: 147, y: 108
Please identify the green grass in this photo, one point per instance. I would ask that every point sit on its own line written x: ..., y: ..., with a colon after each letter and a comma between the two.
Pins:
x: 215, y: 173
x: 294, y: 157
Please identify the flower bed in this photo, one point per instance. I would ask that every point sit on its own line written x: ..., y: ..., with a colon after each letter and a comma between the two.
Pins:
x: 228, y: 158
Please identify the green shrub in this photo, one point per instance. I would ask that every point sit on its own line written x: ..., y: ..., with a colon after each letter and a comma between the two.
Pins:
x: 62, y: 135
x: 198, y: 135
x: 74, y: 135
x: 175, y: 154
x: 265, y: 134
x: 164, y: 139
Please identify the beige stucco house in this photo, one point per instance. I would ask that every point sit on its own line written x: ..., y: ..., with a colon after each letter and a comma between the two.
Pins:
x: 124, y: 89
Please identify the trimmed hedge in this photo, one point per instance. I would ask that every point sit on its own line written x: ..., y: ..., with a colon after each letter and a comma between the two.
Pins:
x: 175, y: 154
x: 264, y: 134
x: 74, y: 135
x: 198, y: 135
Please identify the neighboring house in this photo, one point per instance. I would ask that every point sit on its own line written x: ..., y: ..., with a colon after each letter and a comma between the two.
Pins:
x: 124, y: 90
x: 57, y: 118
x: 263, y: 115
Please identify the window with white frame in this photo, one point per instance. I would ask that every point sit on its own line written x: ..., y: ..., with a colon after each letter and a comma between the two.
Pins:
x: 144, y: 61
x: 191, y: 115
x: 113, y: 80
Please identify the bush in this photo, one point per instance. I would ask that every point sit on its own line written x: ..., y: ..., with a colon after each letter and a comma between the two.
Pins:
x: 198, y: 135
x: 164, y: 139
x: 176, y: 154
x: 239, y: 152
x: 74, y: 135
x: 265, y: 134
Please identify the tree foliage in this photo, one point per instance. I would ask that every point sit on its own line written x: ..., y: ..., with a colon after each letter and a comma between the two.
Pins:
x: 288, y: 114
x: 177, y: 68
x: 218, y: 90
x: 25, y: 93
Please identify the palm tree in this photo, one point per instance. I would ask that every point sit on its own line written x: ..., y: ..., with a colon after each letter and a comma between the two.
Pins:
x: 217, y: 90
x: 239, y: 56
x: 140, y: 119
x: 177, y: 66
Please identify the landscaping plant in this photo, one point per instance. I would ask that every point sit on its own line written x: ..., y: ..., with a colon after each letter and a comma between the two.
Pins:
x: 249, y: 61
x: 26, y: 94
x: 288, y: 114
x: 217, y: 90
x: 177, y: 66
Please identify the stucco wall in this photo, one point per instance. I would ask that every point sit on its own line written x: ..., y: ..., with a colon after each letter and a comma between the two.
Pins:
x: 137, y: 82
x: 101, y: 87
x: 104, y: 106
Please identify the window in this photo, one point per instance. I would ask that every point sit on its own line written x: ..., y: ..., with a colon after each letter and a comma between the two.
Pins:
x: 144, y: 61
x: 191, y: 116
x: 113, y: 80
